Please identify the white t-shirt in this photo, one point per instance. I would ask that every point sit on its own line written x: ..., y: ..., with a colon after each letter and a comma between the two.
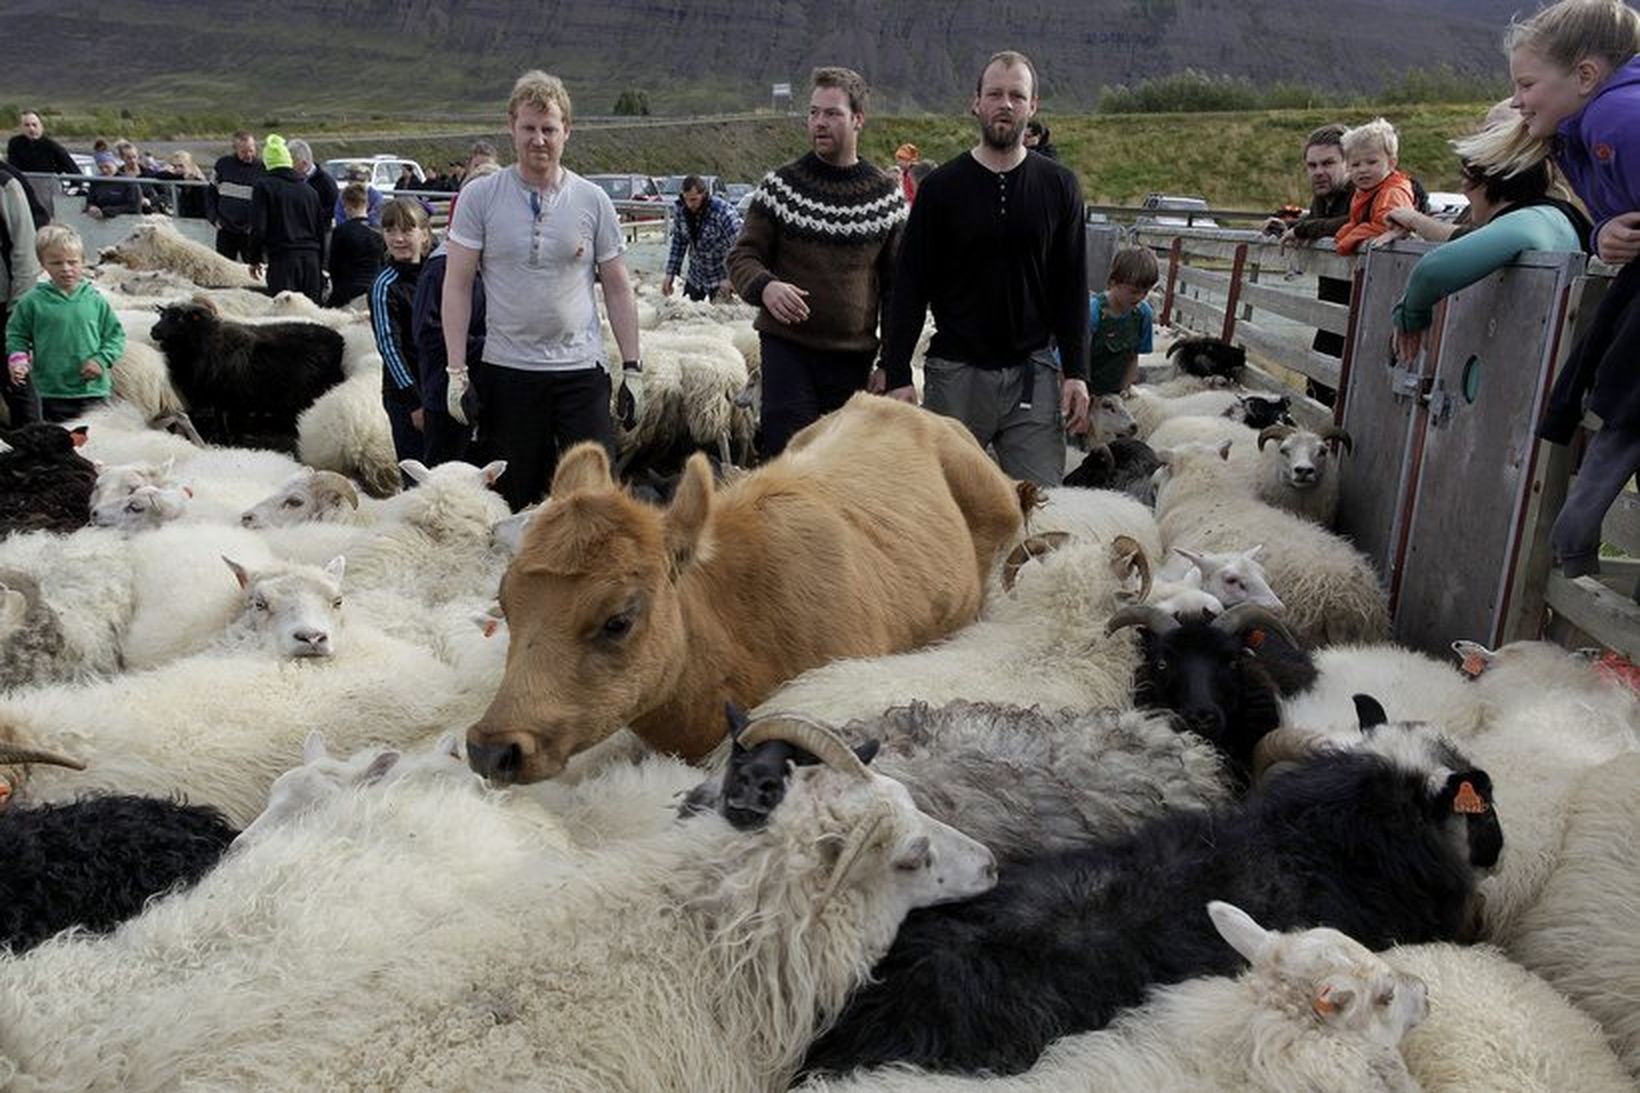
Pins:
x: 539, y: 254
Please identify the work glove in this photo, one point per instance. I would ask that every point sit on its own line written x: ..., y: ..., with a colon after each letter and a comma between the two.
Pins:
x: 629, y: 402
x: 455, y: 395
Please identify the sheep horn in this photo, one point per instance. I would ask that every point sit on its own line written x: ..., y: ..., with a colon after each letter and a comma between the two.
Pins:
x: 1273, y: 432
x: 1238, y: 618
x: 11, y: 754
x: 342, y: 485
x: 812, y: 736
x: 1125, y: 551
x: 1285, y: 746
x: 1340, y: 434
x: 1036, y: 546
x: 1148, y: 615
x: 858, y: 840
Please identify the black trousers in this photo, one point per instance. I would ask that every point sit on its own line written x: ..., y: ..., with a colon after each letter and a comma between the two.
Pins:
x: 297, y: 270
x: 408, y: 442
x: 531, y: 418
x: 67, y: 409
x: 446, y: 439
x: 232, y: 244
x: 801, y: 384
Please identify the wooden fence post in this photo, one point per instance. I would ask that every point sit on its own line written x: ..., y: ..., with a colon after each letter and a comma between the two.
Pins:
x: 1173, y: 253
x: 1233, y: 298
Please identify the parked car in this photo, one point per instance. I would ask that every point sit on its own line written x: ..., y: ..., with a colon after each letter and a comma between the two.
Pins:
x: 382, y: 171
x: 671, y: 186
x: 1446, y: 206
x: 627, y: 187
x: 1181, y: 209
x: 87, y: 166
x: 733, y: 192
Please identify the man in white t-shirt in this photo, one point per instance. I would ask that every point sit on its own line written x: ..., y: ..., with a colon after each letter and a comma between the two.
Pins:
x: 542, y: 235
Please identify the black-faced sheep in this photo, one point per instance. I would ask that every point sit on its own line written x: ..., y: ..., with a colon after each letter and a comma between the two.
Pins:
x: 1123, y: 464
x: 96, y: 862
x: 1208, y: 357
x: 44, y: 482
x: 256, y: 378
x: 1382, y: 839
x: 1222, y: 678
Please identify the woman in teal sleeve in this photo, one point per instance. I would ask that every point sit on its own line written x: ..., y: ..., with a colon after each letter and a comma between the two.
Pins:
x: 1512, y: 214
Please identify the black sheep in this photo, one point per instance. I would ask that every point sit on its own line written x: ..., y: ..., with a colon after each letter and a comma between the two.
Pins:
x: 1123, y: 464
x: 1354, y: 840
x: 45, y: 484
x: 255, y: 379
x: 97, y: 861
x: 1208, y: 357
x: 1222, y: 678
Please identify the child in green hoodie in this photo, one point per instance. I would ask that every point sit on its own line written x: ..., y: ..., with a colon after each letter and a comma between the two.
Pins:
x: 63, y: 333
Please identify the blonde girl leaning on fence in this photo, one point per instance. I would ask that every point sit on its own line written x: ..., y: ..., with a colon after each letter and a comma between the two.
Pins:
x: 1577, y: 84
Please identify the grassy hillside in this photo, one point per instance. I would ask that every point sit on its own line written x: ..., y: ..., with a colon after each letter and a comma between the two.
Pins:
x: 1245, y: 160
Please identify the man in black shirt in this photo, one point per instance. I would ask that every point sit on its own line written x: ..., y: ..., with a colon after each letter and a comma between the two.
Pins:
x: 328, y: 189
x: 228, y: 201
x: 287, y: 226
x: 31, y: 151
x: 995, y: 246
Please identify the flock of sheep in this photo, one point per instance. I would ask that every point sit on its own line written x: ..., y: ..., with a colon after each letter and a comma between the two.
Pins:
x: 1171, y: 813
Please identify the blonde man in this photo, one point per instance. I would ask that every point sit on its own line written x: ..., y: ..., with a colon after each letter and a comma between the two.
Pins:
x: 540, y: 235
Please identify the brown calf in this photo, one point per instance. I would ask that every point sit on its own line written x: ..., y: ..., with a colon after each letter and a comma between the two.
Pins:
x: 873, y: 533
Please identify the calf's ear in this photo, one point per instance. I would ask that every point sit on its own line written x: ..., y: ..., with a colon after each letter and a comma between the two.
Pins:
x: 584, y: 467
x: 689, y: 516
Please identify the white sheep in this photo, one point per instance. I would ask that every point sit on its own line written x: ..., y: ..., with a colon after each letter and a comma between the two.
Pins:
x: 1297, y: 474
x: 1094, y: 516
x: 1150, y: 408
x: 1548, y: 720
x: 346, y: 430
x: 1331, y: 591
x: 155, y: 244
x: 1411, y: 686
x: 221, y: 725
x: 1316, y: 1011
x: 1042, y: 644
x: 1494, y: 1027
x: 88, y: 580
x: 141, y: 379
x: 701, y: 954
x: 1581, y: 934
x: 1230, y: 577
x: 144, y: 508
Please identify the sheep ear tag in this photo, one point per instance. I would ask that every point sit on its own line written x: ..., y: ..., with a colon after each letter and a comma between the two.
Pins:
x: 1467, y: 801
x: 79, y: 435
x: 1475, y: 658
x: 1253, y: 638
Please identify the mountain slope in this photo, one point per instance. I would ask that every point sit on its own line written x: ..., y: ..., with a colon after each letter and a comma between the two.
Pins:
x: 704, y: 55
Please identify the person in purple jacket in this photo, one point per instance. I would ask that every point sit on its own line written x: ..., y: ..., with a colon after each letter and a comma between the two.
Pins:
x: 1577, y: 86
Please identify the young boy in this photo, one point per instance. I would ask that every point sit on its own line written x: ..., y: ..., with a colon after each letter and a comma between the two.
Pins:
x: 1370, y: 156
x: 63, y: 332
x: 1120, y: 322
x: 356, y: 249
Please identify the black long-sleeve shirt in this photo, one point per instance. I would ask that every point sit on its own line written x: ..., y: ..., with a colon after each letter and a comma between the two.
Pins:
x: 1002, y: 260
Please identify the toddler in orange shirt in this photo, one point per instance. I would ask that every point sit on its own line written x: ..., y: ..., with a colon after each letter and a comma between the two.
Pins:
x: 1370, y: 158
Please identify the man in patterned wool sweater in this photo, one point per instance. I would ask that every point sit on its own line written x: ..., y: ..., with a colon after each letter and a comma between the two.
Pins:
x: 816, y: 257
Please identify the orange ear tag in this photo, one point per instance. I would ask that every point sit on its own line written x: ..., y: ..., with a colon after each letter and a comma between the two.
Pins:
x: 1323, y: 1005
x: 1473, y: 665
x: 1468, y: 801
x: 1254, y: 639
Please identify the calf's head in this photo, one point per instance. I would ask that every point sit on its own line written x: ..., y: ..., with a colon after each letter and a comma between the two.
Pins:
x: 594, y: 615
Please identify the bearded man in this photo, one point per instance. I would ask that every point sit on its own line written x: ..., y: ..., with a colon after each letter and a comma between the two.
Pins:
x: 996, y: 247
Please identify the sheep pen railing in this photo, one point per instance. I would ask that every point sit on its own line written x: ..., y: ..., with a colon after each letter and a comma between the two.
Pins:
x: 1446, y: 490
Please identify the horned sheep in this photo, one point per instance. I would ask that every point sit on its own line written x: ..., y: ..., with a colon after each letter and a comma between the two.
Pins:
x: 762, y: 936
x: 1021, y: 781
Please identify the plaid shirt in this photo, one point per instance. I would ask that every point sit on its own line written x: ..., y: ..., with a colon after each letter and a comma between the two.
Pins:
x: 719, y: 227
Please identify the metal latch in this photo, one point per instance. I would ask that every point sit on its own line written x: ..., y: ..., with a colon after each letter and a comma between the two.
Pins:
x: 1407, y: 381
x: 1442, y: 405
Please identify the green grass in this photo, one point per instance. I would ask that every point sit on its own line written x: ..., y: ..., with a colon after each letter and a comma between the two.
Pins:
x: 1235, y: 160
